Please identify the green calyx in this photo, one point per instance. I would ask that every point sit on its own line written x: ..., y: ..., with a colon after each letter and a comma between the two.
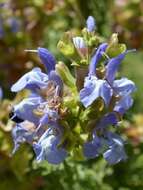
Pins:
x: 66, y: 46
x: 66, y: 75
x: 115, y: 48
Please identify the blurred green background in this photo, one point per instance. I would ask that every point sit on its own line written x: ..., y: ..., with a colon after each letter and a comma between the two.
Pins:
x: 28, y: 24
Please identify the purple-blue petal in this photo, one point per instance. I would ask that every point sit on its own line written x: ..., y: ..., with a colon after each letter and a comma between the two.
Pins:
x: 32, y: 80
x: 47, y: 149
x: 124, y: 86
x: 21, y: 135
x: 53, y: 76
x: 47, y: 59
x: 14, y: 24
x: 25, y: 109
x: 115, y: 152
x: 1, y: 93
x: 93, y: 89
x: 96, y: 58
x: 2, y: 33
x: 112, y: 67
x: 79, y: 42
x: 123, y: 104
x: 108, y: 119
x: 91, y: 148
x: 49, y: 116
x: 45, y: 119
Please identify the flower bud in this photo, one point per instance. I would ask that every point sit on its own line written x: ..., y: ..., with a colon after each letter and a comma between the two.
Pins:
x: 80, y: 45
x: 66, y: 48
x: 115, y: 48
x: 90, y: 24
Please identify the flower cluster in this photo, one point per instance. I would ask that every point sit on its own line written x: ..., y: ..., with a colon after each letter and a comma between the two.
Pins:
x: 77, y: 116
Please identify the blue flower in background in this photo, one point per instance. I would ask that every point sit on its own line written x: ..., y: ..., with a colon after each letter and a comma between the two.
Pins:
x: 14, y: 24
x: 1, y: 93
x: 2, y: 33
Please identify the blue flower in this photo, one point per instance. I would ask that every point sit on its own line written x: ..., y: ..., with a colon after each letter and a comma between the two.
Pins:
x: 14, y: 24
x: 45, y: 89
x: 93, y: 148
x: 2, y: 33
x: 93, y: 89
x: 80, y: 45
x: 107, y: 87
x: 42, y: 109
x: 109, y: 144
x: 79, y: 42
x: 115, y: 153
x: 90, y: 24
x: 1, y: 93
x: 123, y: 88
x: 43, y: 101
x: 47, y: 148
